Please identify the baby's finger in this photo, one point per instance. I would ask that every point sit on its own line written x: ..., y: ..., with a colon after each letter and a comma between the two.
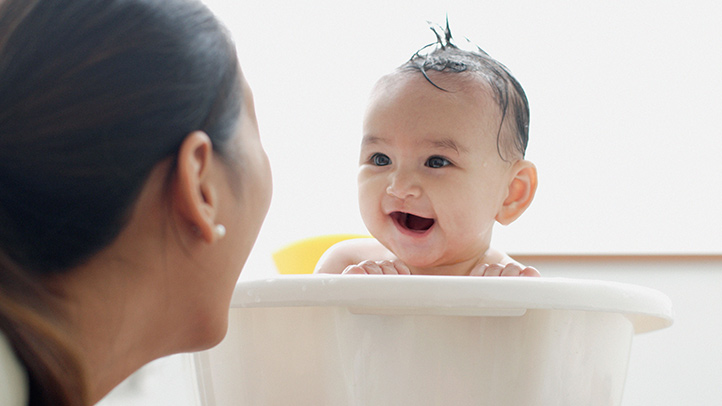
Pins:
x: 494, y: 270
x: 401, y: 268
x: 371, y: 267
x: 387, y: 268
x: 354, y: 270
x: 479, y: 270
x: 530, y: 271
x: 512, y: 270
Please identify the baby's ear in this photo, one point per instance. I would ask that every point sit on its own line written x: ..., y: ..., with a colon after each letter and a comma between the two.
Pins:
x: 521, y: 192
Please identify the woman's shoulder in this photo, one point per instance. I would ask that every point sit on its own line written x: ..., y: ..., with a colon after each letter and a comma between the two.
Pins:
x: 13, y: 378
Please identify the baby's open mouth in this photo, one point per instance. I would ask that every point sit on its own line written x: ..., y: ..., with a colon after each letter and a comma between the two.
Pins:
x: 412, y: 222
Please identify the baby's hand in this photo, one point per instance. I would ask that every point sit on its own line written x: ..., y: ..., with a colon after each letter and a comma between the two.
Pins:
x: 387, y: 267
x: 512, y: 269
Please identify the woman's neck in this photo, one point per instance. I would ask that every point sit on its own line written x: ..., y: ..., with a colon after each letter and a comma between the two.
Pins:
x: 105, y: 320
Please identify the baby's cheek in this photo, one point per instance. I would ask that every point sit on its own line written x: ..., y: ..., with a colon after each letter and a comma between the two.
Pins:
x: 371, y: 215
x: 468, y: 225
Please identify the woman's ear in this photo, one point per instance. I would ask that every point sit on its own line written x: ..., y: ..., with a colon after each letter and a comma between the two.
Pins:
x: 195, y: 193
x: 521, y: 192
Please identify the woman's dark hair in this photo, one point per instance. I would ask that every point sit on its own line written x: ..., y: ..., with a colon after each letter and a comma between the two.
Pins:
x: 93, y: 94
x: 446, y: 56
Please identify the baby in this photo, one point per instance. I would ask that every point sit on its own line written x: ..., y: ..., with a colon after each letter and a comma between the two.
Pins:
x: 442, y: 160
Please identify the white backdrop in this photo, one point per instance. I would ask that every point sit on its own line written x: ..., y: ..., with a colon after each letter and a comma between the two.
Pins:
x: 624, y: 103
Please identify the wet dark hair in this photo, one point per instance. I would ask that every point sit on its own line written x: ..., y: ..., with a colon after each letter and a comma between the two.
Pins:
x: 446, y: 56
x: 93, y: 94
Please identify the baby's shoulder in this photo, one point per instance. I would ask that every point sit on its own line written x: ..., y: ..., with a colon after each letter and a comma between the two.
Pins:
x: 351, y: 252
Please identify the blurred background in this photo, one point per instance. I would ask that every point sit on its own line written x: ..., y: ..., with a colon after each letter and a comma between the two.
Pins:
x: 625, y: 109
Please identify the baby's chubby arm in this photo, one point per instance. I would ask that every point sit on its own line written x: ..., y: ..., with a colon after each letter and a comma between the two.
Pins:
x: 352, y: 257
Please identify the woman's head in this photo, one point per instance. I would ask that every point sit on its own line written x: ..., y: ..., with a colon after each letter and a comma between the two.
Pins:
x: 94, y: 93
x: 98, y: 99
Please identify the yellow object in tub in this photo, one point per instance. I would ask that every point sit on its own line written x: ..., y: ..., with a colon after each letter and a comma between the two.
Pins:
x: 300, y: 257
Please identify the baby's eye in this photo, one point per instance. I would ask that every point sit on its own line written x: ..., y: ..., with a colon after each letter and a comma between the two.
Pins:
x: 437, y: 162
x: 380, y: 159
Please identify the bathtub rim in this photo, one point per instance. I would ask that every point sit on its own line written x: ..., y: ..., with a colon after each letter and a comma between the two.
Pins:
x: 646, y: 308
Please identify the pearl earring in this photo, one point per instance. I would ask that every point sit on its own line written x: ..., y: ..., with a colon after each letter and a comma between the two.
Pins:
x: 219, y: 230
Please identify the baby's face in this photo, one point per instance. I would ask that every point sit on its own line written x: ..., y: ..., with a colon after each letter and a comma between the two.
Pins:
x: 431, y: 180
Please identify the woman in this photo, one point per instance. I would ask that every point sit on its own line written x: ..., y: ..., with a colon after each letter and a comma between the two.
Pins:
x: 133, y: 185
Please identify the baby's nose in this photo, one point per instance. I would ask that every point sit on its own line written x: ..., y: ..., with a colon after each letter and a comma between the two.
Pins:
x: 403, y: 185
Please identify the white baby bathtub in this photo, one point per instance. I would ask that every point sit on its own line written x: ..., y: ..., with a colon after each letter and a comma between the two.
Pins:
x: 380, y: 340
